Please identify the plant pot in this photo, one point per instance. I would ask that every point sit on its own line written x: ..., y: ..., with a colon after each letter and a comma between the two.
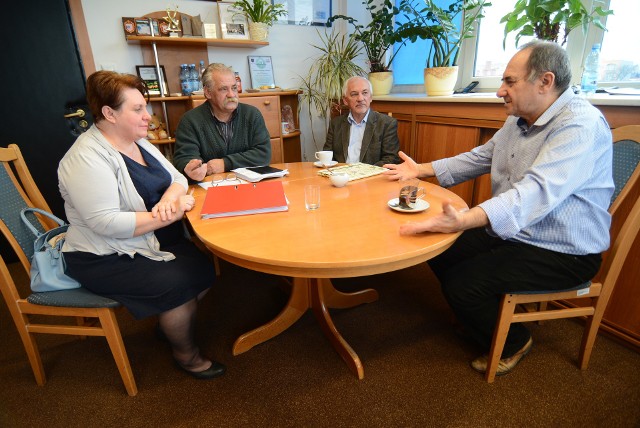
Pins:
x: 258, y: 31
x: 381, y: 82
x: 440, y: 81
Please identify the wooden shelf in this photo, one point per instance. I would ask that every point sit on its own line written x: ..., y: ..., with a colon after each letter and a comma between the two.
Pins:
x: 163, y: 141
x: 169, y: 98
x: 291, y: 134
x: 193, y: 41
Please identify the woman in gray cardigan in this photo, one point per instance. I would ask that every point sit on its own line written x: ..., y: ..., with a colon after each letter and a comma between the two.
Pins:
x: 124, y: 202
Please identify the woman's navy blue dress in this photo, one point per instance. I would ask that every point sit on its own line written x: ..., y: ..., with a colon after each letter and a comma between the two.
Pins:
x: 147, y: 287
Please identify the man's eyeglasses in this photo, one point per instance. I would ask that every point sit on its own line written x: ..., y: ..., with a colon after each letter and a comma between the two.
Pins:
x: 219, y: 179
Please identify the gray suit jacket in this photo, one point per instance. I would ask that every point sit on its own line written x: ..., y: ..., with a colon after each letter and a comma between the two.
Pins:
x: 380, y: 143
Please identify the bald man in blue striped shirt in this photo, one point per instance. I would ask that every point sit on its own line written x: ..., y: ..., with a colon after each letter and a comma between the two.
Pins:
x: 547, y: 221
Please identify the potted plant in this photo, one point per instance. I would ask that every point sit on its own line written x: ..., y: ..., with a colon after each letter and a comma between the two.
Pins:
x: 545, y: 18
x: 377, y: 37
x: 262, y: 15
x: 438, y: 26
x: 322, y: 86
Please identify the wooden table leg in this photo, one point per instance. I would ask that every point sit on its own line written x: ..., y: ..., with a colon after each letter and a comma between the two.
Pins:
x: 319, y: 295
x: 296, y: 307
x: 338, y: 300
x: 321, y: 311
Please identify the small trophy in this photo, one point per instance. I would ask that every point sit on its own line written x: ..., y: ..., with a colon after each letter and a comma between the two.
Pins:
x: 174, y: 22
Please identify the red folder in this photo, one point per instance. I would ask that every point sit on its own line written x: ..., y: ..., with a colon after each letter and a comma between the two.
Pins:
x: 242, y: 199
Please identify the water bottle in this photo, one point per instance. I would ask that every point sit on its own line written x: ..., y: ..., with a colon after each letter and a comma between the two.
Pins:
x: 589, y: 82
x: 184, y: 80
x: 202, y: 68
x: 193, y: 78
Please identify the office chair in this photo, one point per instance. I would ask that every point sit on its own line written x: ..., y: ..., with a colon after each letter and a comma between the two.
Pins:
x: 625, y: 211
x: 94, y: 315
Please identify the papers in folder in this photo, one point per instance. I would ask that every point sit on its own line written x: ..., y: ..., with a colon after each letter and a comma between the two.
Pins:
x: 257, y: 173
x: 243, y: 199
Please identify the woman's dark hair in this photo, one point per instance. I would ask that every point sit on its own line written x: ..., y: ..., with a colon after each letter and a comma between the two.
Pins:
x: 104, y: 88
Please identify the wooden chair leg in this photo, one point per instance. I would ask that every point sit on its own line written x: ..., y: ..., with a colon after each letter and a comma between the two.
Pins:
x: 589, y: 336
x: 114, y: 338
x: 31, y: 348
x: 505, y: 315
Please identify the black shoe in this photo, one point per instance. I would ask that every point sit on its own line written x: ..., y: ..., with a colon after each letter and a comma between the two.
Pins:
x: 215, y: 370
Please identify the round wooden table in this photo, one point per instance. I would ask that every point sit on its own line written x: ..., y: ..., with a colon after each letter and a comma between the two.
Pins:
x: 353, y: 233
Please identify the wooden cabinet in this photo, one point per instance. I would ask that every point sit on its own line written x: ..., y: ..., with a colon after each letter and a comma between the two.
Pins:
x: 437, y: 129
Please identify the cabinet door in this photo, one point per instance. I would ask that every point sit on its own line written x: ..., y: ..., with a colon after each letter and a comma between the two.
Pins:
x: 276, y: 150
x: 269, y: 106
x: 438, y: 141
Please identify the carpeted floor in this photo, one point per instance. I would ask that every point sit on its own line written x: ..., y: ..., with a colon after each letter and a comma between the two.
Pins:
x: 416, y: 370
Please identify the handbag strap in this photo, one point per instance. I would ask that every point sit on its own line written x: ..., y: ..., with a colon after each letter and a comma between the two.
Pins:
x: 27, y: 222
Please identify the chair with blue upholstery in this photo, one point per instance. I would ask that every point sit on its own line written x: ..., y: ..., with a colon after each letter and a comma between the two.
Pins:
x: 93, y: 315
x: 625, y: 212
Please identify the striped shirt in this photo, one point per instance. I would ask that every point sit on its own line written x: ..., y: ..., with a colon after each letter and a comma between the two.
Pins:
x: 355, y: 137
x: 551, y: 182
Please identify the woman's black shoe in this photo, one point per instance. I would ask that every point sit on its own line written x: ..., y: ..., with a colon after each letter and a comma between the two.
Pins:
x: 216, y: 370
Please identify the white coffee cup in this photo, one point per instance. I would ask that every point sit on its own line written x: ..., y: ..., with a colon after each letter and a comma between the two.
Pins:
x: 339, y: 179
x: 324, y: 157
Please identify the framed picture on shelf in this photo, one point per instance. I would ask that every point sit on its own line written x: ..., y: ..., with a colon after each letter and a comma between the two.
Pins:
x: 148, y: 74
x: 129, y: 26
x: 163, y: 27
x: 143, y: 27
x: 233, y: 24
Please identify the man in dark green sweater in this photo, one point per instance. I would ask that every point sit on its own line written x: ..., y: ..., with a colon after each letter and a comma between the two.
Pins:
x: 221, y: 134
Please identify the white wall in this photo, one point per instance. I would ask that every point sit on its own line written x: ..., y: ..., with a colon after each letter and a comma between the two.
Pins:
x: 289, y: 46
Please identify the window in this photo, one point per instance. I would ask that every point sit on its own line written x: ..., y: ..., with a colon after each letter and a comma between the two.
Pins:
x: 408, y: 65
x: 483, y: 58
x: 620, y: 55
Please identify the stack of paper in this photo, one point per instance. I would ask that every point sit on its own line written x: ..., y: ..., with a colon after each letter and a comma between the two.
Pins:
x: 242, y: 199
x: 257, y: 173
x: 355, y: 171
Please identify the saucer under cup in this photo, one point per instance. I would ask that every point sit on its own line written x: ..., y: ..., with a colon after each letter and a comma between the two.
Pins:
x: 421, y: 205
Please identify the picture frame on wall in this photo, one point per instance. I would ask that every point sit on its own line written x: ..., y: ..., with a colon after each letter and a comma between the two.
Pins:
x: 233, y: 24
x: 150, y: 77
x: 304, y: 12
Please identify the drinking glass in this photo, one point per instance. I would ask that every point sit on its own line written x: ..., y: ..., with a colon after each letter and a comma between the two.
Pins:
x: 312, y: 197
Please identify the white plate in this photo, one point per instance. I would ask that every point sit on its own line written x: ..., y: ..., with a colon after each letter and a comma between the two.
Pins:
x: 320, y: 165
x: 421, y: 205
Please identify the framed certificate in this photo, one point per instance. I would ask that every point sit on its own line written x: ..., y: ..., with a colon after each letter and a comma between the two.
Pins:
x: 261, y: 71
x: 150, y: 77
x: 233, y: 23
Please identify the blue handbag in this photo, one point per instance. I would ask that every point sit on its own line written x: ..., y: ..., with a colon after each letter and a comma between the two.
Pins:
x: 47, y: 264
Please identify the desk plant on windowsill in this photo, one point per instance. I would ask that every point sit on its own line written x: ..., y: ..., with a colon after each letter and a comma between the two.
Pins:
x: 436, y: 24
x: 262, y: 15
x: 377, y: 38
x: 545, y: 19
